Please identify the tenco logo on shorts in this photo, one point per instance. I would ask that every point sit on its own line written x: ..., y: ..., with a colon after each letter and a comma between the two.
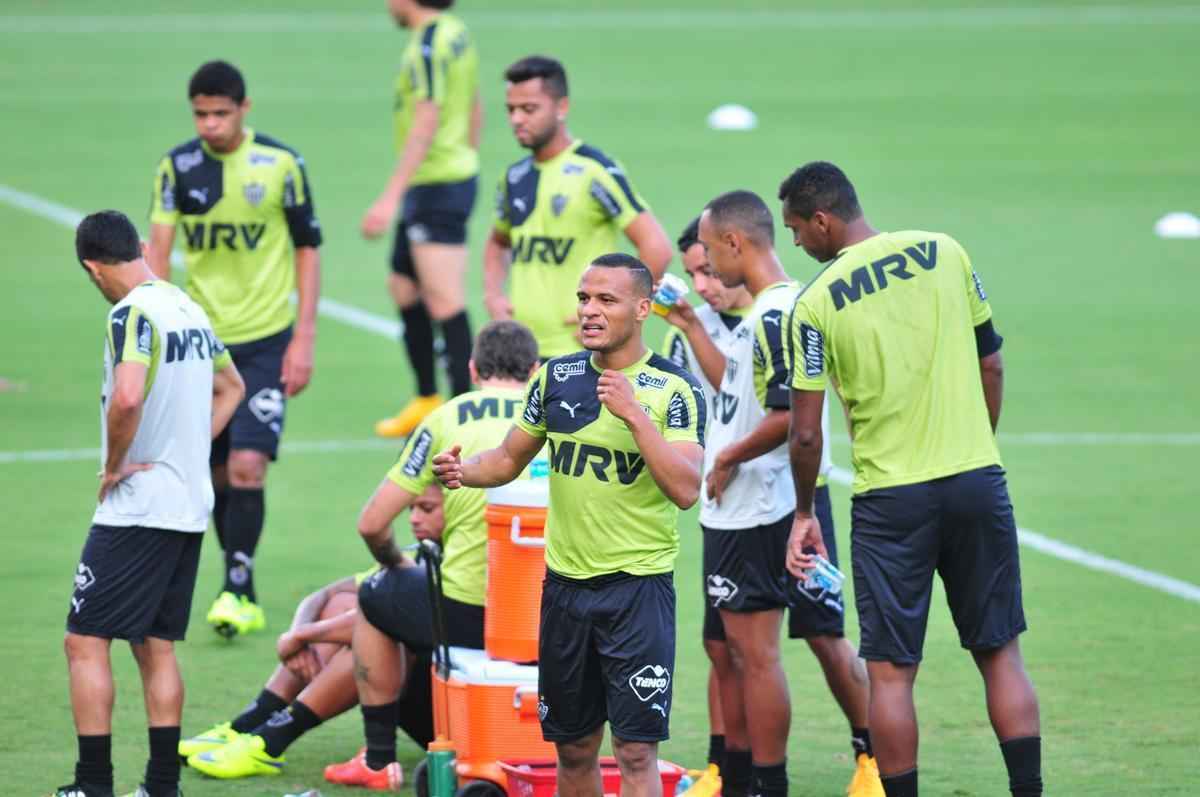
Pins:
x: 812, y: 343
x: 651, y: 680
x: 267, y: 404
x: 645, y: 380
x: 84, y: 577
x: 564, y: 371
x: 420, y: 454
x: 719, y: 589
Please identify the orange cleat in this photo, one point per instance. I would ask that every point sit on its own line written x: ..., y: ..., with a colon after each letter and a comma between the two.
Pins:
x: 355, y: 772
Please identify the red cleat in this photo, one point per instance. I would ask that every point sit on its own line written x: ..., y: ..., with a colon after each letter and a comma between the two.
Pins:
x: 355, y: 772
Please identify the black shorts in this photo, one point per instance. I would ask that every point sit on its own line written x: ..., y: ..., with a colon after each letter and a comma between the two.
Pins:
x: 396, y: 601
x: 606, y: 652
x: 257, y: 424
x: 962, y: 526
x: 809, y: 614
x: 432, y: 213
x: 134, y: 582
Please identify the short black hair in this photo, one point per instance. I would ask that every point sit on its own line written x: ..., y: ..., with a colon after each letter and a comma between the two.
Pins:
x: 551, y: 71
x: 442, y: 4
x: 505, y: 350
x: 218, y: 79
x: 643, y: 280
x: 746, y: 211
x: 820, y: 185
x: 690, y: 235
x: 107, y: 237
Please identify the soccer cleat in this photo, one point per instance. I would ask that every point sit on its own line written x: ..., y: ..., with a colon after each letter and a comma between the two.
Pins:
x: 253, y: 616
x: 226, y: 617
x: 244, y: 757
x: 81, y: 790
x: 866, y: 782
x: 355, y: 772
x: 401, y: 425
x: 707, y: 782
x: 214, y: 737
x: 141, y: 792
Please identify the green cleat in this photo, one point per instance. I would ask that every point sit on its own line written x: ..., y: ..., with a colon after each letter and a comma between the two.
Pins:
x: 253, y: 617
x: 244, y: 757
x: 141, y: 792
x: 226, y: 616
x: 214, y: 737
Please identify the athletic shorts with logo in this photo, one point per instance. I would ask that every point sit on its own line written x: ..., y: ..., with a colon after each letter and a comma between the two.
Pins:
x: 434, y: 213
x: 257, y: 424
x: 745, y: 571
x: 134, y: 582
x: 606, y: 652
x: 960, y: 526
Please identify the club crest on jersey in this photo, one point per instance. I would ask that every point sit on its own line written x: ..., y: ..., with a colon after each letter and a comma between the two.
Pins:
x: 144, y: 336
x: 255, y: 193
x: 558, y: 203
x: 731, y: 368
x: 186, y: 161
x: 564, y: 371
x: 646, y: 380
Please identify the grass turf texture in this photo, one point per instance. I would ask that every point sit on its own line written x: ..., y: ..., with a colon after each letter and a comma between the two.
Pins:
x: 1046, y: 141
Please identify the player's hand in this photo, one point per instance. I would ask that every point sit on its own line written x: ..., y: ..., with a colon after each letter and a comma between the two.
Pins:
x: 682, y: 315
x: 804, y: 541
x: 297, y: 366
x: 615, y: 393
x: 447, y: 467
x: 718, y: 478
x: 499, y: 307
x: 378, y: 218
x: 110, y: 480
x: 304, y: 665
x: 288, y: 645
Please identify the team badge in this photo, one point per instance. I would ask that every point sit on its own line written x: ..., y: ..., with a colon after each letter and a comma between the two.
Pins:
x: 255, y: 193
x: 558, y: 203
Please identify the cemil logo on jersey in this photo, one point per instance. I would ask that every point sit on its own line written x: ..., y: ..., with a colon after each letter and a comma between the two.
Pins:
x: 651, y: 680
x: 719, y: 589
x: 186, y: 161
x: 646, y: 380
x: 564, y: 371
x: 896, y: 265
x: 812, y: 344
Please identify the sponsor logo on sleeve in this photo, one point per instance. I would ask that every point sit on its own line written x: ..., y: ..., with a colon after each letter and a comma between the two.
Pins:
x: 533, y: 405
x: 419, y: 454
x: 978, y: 286
x: 812, y: 344
x: 678, y: 414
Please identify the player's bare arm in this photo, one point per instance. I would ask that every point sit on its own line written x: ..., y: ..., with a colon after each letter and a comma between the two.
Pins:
x: 375, y: 523
x: 298, y: 359
x: 712, y: 361
x: 158, y: 253
x: 654, y: 249
x: 675, y: 467
x: 991, y: 372
x: 380, y: 215
x: 490, y: 468
x: 123, y: 415
x: 497, y: 258
x: 475, y: 136
x: 228, y: 390
x: 770, y: 433
x: 804, y: 449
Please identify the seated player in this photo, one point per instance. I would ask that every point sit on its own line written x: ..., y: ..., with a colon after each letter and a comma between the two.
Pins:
x: 396, y: 620
x: 314, y: 681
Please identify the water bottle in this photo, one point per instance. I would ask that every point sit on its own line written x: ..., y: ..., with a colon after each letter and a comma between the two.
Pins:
x: 823, y: 576
x: 670, y: 290
x: 443, y: 778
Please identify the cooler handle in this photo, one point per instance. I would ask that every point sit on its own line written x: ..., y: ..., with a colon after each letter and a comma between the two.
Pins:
x: 524, y: 542
x: 525, y: 701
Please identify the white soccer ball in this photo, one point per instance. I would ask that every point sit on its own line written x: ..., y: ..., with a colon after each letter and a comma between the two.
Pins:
x: 732, y: 117
x: 1178, y: 225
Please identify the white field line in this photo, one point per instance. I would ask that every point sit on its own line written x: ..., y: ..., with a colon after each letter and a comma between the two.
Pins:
x: 624, y: 19
x: 293, y: 447
x: 372, y: 323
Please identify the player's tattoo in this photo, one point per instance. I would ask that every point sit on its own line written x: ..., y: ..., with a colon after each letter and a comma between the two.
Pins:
x: 385, y: 551
x: 361, y: 671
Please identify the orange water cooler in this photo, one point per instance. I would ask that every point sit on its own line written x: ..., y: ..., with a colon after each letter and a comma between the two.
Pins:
x: 516, y: 521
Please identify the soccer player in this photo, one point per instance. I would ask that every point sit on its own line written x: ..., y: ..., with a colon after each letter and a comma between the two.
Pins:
x: 556, y: 211
x: 438, y: 119
x: 900, y: 324
x: 394, y: 602
x: 314, y: 681
x: 169, y: 385
x: 249, y: 236
x: 746, y: 516
x: 626, y: 430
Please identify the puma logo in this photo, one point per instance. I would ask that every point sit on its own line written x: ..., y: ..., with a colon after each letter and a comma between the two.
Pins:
x: 199, y: 194
x: 519, y: 204
x: 570, y: 407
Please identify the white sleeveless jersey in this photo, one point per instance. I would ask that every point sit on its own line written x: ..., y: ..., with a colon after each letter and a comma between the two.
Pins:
x: 158, y: 325
x: 678, y: 350
x: 756, y: 382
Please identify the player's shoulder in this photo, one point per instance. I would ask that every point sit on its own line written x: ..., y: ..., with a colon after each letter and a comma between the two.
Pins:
x: 518, y: 171
x: 186, y: 156
x: 266, y: 149
x: 446, y: 28
x: 776, y: 298
x: 593, y: 158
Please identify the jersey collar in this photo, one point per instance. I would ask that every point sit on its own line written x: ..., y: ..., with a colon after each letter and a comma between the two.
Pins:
x: 247, y: 140
x: 640, y: 363
x: 570, y: 148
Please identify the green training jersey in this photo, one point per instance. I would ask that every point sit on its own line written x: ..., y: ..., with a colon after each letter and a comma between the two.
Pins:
x: 892, y: 320
x: 477, y: 421
x: 559, y: 216
x: 607, y: 514
x: 242, y: 212
x: 440, y: 65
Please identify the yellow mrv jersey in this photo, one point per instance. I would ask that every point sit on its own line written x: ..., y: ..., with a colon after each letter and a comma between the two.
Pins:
x: 238, y: 216
x: 607, y: 514
x: 559, y: 216
x: 477, y: 421
x: 892, y: 320
x: 440, y: 65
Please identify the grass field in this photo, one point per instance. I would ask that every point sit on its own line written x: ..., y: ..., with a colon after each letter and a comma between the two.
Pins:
x: 1046, y: 140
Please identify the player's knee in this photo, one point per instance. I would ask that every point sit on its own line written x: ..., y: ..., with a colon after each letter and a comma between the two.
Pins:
x: 403, y: 290
x: 247, y: 469
x: 635, y: 756
x: 80, y: 648
x: 338, y: 604
x: 578, y: 756
x: 442, y: 304
x: 829, y: 649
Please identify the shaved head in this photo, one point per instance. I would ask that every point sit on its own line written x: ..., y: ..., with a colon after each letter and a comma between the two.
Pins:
x: 745, y: 212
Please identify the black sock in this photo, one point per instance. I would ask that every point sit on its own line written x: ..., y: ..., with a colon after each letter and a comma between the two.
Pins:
x: 244, y: 517
x: 285, y: 727
x: 220, y: 504
x: 379, y: 728
x: 1023, y: 757
x: 162, y: 770
x: 94, y: 766
x: 769, y: 780
x: 258, y: 712
x: 904, y: 785
x: 456, y: 331
x: 735, y: 778
x: 716, y: 750
x: 860, y: 740
x: 418, y: 342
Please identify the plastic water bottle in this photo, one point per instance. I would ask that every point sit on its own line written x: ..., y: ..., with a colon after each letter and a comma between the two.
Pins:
x: 823, y: 576
x: 670, y: 290
x: 684, y: 784
x: 539, y: 468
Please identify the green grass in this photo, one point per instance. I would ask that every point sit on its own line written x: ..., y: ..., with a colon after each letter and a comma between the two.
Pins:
x: 1048, y: 143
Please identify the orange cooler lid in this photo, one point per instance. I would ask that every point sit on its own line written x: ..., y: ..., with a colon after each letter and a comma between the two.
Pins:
x: 522, y: 492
